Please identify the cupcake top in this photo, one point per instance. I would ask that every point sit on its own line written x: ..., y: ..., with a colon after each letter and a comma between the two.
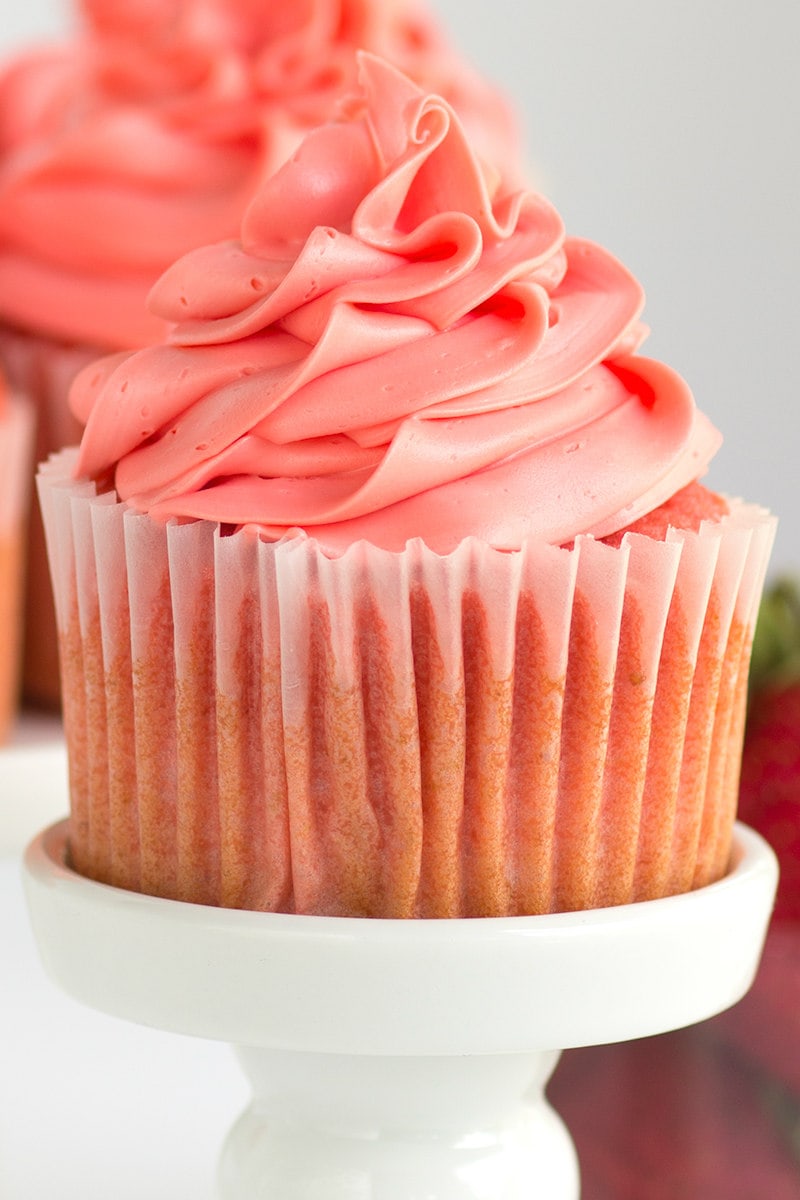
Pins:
x: 395, y: 348
x: 147, y: 134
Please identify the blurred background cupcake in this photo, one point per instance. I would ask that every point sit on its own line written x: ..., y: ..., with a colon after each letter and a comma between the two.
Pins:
x: 387, y: 586
x: 145, y: 135
x: 16, y: 466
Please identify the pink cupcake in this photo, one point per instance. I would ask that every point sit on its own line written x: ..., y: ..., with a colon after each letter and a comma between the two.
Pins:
x: 16, y: 464
x: 145, y: 137
x: 387, y: 587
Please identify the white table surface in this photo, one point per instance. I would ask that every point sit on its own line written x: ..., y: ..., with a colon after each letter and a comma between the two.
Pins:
x: 91, y: 1108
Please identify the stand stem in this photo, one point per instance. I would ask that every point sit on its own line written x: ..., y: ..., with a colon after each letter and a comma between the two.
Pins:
x: 351, y: 1127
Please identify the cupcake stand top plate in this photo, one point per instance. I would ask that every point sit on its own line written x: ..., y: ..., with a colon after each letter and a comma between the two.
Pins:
x: 395, y: 1059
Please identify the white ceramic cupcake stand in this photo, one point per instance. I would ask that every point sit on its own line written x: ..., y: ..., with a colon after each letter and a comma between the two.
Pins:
x: 395, y: 1060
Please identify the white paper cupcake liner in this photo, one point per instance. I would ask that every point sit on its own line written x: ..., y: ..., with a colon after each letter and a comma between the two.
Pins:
x: 255, y: 724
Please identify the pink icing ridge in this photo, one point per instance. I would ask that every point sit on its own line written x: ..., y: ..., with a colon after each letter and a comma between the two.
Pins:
x: 147, y: 135
x: 392, y: 351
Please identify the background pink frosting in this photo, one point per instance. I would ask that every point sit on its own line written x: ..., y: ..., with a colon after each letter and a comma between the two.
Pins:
x: 393, y: 349
x: 147, y: 135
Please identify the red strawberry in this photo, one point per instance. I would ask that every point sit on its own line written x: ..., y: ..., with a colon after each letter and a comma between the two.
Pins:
x: 769, y: 798
x: 770, y: 783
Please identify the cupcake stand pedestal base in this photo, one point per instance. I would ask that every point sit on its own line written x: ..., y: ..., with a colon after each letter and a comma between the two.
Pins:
x: 396, y: 1060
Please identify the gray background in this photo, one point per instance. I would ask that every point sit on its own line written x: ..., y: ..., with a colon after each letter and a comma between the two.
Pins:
x: 669, y: 132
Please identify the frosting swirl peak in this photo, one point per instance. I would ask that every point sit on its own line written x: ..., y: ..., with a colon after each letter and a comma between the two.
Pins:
x: 147, y: 134
x: 396, y: 349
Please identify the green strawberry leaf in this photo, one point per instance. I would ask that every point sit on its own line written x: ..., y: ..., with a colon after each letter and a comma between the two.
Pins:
x: 775, y: 660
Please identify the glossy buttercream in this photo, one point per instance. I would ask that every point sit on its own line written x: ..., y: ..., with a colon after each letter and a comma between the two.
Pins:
x: 395, y: 350
x: 146, y: 136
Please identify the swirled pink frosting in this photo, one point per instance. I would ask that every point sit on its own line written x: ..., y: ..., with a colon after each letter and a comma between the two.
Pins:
x: 147, y: 135
x: 390, y: 352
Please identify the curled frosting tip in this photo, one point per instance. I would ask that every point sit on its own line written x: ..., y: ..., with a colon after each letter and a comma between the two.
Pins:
x: 394, y: 350
x: 321, y: 184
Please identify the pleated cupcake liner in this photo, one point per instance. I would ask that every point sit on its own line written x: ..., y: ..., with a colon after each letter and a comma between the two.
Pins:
x: 42, y: 369
x: 255, y: 724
